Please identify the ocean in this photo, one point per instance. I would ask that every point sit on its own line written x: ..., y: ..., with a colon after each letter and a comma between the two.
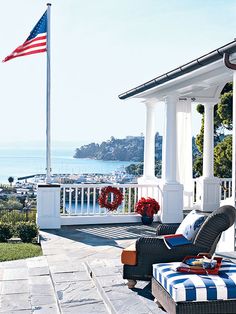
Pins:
x: 18, y: 162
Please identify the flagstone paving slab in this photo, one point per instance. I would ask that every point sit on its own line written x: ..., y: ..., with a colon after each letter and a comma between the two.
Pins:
x: 16, y: 312
x: 38, y: 271
x: 15, y: 273
x: 71, y: 276
x: 15, y: 286
x: 84, y: 308
x: 45, y: 309
x: 12, y: 302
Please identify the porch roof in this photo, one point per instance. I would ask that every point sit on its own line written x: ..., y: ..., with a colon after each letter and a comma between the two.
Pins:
x: 202, y: 78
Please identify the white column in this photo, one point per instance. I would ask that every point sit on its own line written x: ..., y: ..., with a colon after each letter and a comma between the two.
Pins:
x: 208, y: 189
x: 172, y: 191
x: 234, y: 141
x: 184, y: 149
x: 149, y: 146
x: 169, y: 141
x: 227, y: 240
x: 208, y: 143
x: 48, y: 206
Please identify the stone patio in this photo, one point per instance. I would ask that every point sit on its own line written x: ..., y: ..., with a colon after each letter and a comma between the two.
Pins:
x: 80, y: 272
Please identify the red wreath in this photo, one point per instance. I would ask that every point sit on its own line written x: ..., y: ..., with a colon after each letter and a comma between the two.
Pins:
x: 103, y: 198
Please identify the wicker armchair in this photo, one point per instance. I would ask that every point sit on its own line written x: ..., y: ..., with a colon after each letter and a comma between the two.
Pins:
x: 151, y: 250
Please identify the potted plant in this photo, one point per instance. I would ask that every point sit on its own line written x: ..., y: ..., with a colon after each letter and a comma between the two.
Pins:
x: 147, y: 207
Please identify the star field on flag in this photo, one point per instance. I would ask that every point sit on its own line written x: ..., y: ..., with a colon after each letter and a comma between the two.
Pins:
x: 35, y: 43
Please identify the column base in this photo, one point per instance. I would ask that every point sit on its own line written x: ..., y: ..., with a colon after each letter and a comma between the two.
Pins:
x: 48, y: 222
x: 48, y: 206
x: 172, y: 202
x: 208, y: 193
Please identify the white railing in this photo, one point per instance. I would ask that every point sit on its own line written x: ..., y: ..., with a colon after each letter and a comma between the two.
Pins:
x: 226, y: 188
x: 82, y: 199
x: 225, y: 191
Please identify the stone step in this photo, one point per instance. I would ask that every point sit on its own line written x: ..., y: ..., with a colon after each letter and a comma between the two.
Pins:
x: 76, y: 291
x: 26, y: 287
x: 107, y: 277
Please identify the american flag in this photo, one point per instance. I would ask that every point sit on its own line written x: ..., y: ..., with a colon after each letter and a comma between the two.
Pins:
x: 35, y: 43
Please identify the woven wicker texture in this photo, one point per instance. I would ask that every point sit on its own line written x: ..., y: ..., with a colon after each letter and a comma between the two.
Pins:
x: 217, y: 222
x: 163, y: 229
x: 151, y: 250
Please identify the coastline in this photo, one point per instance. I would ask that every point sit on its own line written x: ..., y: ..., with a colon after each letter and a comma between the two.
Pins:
x: 24, y: 161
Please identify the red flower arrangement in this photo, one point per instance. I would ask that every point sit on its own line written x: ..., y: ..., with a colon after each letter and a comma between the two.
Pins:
x: 147, y: 207
x: 103, y: 198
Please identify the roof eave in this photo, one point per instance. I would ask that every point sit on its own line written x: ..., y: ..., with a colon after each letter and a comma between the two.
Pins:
x: 196, y: 64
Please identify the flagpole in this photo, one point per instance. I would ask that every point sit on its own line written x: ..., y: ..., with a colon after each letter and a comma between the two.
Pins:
x: 48, y: 104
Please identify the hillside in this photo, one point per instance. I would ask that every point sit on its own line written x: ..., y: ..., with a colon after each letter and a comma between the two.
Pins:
x: 127, y: 149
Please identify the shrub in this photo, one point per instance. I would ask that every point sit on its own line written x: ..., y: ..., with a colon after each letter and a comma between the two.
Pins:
x: 27, y: 231
x: 16, y: 216
x: 5, y: 231
x: 13, y: 203
x: 12, y: 216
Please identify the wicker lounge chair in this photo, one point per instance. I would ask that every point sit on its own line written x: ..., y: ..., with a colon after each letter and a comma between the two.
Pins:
x: 151, y: 250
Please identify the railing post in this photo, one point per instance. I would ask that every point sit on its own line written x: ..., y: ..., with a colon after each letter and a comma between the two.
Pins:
x: 48, y: 206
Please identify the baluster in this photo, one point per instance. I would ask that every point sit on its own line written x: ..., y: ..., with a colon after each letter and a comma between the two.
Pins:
x: 64, y: 200
x: 94, y: 199
x: 129, y: 202
x: 123, y: 202
x: 70, y: 194
x: 82, y: 200
x: 225, y: 189
x: 100, y: 209
x: 76, y: 200
x: 135, y: 196
x: 88, y: 199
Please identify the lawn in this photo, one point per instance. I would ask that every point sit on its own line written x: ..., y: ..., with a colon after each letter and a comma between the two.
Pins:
x: 13, y: 251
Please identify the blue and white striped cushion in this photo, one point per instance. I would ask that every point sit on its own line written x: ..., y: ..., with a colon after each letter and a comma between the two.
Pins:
x: 193, y: 287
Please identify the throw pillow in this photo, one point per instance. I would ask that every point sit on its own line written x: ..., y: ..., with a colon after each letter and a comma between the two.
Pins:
x: 191, y: 224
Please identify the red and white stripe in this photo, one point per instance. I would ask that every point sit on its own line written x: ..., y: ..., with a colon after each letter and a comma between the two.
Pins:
x: 35, y: 45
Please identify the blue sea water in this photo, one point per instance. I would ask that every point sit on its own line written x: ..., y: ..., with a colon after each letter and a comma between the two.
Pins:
x: 19, y: 162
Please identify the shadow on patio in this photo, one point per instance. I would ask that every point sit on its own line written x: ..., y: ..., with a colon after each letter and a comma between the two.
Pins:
x: 97, y: 235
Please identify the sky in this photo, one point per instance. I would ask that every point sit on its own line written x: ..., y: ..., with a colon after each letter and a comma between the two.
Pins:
x: 99, y: 49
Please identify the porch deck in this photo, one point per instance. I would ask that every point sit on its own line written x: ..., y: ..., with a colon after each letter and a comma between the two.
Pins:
x: 80, y: 272
x: 86, y: 270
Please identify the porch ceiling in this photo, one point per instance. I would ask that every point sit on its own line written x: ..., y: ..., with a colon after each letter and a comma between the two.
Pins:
x: 202, y: 84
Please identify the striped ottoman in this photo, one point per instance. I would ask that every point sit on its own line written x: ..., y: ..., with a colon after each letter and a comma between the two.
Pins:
x: 191, y: 293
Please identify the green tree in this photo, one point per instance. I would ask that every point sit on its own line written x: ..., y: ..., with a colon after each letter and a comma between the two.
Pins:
x: 137, y: 169
x: 222, y: 123
x: 11, y: 180
x: 223, y: 158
